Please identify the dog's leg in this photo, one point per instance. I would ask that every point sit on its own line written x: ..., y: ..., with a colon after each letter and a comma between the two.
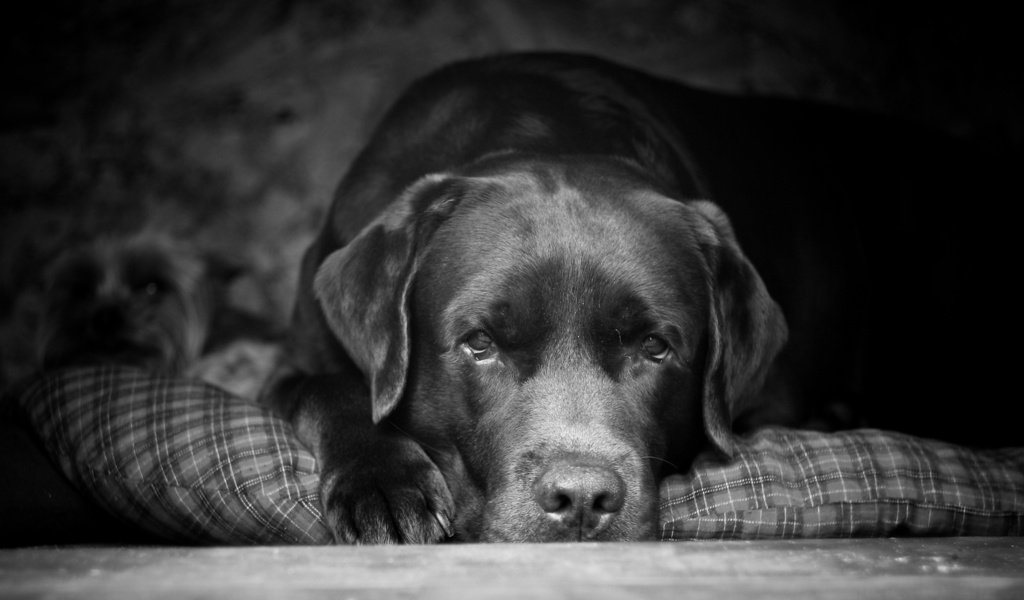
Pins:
x: 377, y: 485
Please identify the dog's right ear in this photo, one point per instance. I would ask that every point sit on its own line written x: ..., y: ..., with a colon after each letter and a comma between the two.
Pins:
x: 363, y: 288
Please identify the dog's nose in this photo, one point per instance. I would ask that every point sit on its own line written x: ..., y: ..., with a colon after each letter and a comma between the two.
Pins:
x: 107, y: 319
x: 581, y: 497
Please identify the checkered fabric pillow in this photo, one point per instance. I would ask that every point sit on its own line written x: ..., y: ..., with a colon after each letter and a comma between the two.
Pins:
x: 180, y: 458
x: 861, y: 483
x: 191, y: 463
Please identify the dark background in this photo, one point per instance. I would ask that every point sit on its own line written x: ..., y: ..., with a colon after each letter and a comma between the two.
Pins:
x: 228, y: 123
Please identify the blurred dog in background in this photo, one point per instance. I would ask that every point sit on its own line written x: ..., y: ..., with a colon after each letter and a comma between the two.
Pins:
x: 143, y: 300
x: 153, y: 302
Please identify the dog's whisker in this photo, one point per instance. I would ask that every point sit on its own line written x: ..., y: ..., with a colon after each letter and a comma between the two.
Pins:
x: 660, y: 459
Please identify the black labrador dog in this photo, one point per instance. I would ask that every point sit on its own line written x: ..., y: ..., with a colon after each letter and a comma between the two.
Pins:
x: 521, y: 311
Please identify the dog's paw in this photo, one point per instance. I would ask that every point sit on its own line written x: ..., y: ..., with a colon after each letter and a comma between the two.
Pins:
x: 391, y: 493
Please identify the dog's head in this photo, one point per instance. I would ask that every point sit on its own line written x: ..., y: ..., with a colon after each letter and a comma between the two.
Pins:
x: 139, y: 300
x: 552, y: 333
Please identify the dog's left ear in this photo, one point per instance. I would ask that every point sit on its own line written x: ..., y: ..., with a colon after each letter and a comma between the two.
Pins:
x: 363, y: 288
x: 746, y: 328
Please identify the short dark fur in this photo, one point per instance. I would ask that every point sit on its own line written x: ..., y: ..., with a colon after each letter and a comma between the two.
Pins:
x: 516, y: 315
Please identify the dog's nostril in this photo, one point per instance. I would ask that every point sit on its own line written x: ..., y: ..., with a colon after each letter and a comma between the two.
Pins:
x: 608, y: 503
x: 555, y: 502
x: 580, y: 495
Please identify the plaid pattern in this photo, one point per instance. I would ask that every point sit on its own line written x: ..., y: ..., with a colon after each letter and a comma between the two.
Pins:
x: 184, y: 460
x: 861, y: 483
x: 191, y: 463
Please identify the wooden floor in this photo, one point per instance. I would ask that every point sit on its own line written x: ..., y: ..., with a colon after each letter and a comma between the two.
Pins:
x: 900, y: 568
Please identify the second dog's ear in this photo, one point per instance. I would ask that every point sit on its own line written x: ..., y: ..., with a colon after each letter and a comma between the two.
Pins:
x: 363, y: 287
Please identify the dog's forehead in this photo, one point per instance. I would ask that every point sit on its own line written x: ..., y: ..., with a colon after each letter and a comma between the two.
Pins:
x: 529, y: 242
x: 548, y: 213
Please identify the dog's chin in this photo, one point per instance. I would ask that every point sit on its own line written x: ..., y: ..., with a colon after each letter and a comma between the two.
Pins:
x: 157, y: 358
x: 543, y: 529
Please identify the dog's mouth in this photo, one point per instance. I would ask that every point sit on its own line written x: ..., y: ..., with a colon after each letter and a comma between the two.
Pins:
x: 119, y: 350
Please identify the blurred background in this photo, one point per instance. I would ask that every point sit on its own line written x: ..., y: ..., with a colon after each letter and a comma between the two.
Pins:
x: 228, y: 123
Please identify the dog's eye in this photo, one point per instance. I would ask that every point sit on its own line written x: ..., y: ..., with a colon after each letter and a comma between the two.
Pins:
x: 480, y: 345
x: 150, y: 288
x: 656, y: 348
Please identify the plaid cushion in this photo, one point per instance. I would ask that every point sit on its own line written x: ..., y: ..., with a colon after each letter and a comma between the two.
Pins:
x: 191, y: 463
x: 183, y: 459
x: 861, y: 483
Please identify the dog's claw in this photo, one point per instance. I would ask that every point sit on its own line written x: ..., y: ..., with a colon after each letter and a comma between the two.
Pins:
x: 445, y: 523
